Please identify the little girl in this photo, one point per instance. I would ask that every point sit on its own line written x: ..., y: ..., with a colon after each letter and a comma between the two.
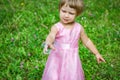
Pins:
x: 63, y: 62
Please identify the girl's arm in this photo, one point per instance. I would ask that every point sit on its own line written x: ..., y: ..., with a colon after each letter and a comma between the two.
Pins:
x: 50, y: 38
x: 89, y: 44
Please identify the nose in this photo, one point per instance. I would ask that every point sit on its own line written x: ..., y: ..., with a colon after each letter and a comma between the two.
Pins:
x: 66, y: 15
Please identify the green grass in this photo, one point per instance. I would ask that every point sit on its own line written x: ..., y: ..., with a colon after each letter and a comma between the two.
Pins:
x: 24, y: 25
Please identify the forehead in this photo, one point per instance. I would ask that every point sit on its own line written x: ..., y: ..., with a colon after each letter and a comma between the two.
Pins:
x: 68, y: 8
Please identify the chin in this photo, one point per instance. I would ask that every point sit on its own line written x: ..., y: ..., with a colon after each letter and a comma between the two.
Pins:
x: 66, y: 22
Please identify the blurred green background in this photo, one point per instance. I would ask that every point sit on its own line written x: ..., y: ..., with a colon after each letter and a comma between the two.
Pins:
x: 24, y: 25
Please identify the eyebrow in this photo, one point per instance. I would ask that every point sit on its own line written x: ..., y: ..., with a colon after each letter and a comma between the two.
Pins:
x: 70, y: 10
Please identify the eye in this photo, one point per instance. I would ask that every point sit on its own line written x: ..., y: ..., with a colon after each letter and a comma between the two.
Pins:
x: 71, y: 13
x: 64, y: 11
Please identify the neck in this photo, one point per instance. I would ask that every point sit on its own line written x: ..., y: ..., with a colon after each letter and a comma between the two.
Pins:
x: 68, y: 25
x: 71, y: 23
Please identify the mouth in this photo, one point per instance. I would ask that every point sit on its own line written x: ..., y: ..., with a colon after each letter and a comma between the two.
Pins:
x: 66, y: 20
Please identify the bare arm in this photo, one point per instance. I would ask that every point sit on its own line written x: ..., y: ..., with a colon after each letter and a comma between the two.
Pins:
x: 51, y: 36
x: 89, y: 44
x: 50, y: 39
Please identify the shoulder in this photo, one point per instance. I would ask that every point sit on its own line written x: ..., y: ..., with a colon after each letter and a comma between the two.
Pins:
x: 80, y: 26
x: 54, y: 28
x: 82, y: 32
x: 58, y: 26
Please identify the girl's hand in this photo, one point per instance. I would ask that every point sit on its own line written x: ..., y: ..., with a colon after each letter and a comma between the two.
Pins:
x: 52, y: 46
x: 45, y: 49
x: 99, y: 58
x: 46, y: 46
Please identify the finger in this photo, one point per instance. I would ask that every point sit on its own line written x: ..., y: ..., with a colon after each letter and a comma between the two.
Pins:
x: 52, y: 47
x: 103, y: 60
x: 100, y: 60
x: 45, y: 50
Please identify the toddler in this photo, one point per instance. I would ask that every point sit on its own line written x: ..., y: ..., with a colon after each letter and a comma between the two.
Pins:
x: 63, y: 61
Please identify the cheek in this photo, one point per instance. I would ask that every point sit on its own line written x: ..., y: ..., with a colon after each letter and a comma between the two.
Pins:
x: 73, y: 17
x: 61, y: 14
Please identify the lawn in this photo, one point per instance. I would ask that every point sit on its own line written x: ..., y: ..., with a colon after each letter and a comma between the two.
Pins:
x: 24, y: 25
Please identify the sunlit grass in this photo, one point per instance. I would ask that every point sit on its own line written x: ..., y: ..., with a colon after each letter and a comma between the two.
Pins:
x: 24, y: 25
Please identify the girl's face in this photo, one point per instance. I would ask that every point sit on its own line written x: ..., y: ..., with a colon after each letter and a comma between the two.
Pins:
x: 67, y: 14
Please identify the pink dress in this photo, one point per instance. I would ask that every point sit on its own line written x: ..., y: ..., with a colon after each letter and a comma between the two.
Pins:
x: 64, y: 62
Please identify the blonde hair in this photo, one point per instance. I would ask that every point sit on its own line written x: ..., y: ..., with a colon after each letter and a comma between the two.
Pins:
x: 76, y: 4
